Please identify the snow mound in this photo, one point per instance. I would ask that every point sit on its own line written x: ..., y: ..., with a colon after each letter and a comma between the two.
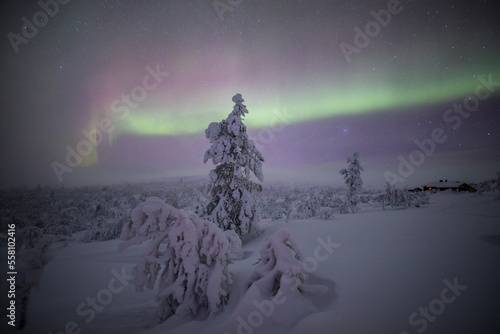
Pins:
x: 280, y: 278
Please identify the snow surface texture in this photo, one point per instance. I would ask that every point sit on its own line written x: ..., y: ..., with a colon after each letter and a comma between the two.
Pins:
x: 390, y: 264
x: 191, y: 254
x: 232, y: 205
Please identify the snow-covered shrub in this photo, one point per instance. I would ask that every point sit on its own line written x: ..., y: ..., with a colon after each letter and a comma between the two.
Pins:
x: 266, y: 205
x: 353, y: 181
x: 232, y: 205
x: 419, y: 199
x: 35, y: 260
x: 491, y: 185
x: 402, y: 197
x: 344, y: 208
x: 335, y: 203
x: 60, y: 231
x: 91, y: 234
x: 28, y: 236
x: 278, y: 213
x: 498, y: 184
x: 186, y: 257
x: 487, y: 186
x: 365, y: 199
x: 101, y: 229
x: 275, y: 208
x: 325, y: 195
x: 307, y: 207
x: 326, y: 213
x: 395, y: 197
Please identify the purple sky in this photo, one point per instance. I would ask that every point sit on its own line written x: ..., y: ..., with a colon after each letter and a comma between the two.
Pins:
x: 283, y: 57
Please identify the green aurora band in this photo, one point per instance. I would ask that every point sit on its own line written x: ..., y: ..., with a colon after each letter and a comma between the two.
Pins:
x: 319, y: 104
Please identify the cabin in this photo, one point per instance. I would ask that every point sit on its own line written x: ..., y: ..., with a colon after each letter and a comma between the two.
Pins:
x: 453, y: 185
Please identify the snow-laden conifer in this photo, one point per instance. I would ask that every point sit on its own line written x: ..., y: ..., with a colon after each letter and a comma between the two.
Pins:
x: 186, y: 257
x: 353, y: 181
x: 232, y: 205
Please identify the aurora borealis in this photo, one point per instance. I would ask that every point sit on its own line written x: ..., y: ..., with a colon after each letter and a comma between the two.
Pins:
x: 309, y: 108
x: 328, y: 102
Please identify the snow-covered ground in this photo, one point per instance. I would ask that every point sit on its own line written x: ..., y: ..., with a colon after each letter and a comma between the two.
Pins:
x: 434, y: 269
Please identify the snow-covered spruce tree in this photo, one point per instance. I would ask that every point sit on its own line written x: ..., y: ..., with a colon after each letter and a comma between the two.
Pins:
x: 186, y: 258
x: 231, y: 204
x: 353, y: 181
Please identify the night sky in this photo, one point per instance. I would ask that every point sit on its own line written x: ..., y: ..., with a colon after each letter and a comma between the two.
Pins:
x: 321, y: 80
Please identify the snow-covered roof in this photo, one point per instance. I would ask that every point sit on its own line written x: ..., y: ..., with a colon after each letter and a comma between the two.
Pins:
x: 443, y: 184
